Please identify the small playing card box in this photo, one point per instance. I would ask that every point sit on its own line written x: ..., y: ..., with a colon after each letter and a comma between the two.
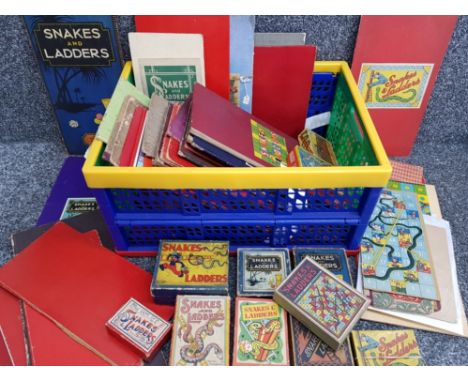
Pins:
x: 139, y: 326
x: 326, y: 305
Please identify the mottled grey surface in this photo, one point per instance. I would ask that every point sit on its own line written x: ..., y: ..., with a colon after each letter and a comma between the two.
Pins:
x: 31, y: 151
x: 334, y: 36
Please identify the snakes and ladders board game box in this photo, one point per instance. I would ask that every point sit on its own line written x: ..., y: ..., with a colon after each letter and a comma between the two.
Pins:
x: 309, y: 350
x: 318, y: 146
x: 139, y: 326
x: 333, y: 259
x: 260, y: 333
x: 200, y: 336
x: 300, y: 157
x: 386, y: 348
x: 325, y: 304
x: 261, y: 270
x: 190, y: 267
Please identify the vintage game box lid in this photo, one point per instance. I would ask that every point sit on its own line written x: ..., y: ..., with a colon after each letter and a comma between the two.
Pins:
x: 333, y: 259
x: 201, y: 331
x: 190, y: 267
x: 139, y: 326
x: 386, y: 348
x: 326, y: 305
x: 309, y: 350
x: 261, y: 270
x: 260, y: 333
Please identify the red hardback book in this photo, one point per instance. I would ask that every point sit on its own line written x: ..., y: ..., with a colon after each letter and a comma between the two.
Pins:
x: 215, y: 31
x: 130, y: 147
x: 396, y: 62
x: 282, y: 84
x: 239, y: 134
x: 80, y: 291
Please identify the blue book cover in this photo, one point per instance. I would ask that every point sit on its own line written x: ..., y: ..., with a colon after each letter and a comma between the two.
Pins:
x: 80, y: 62
x: 332, y: 259
x: 241, y: 60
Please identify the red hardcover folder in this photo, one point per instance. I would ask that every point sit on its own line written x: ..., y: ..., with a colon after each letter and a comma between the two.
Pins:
x: 50, y: 346
x: 281, y: 86
x: 130, y: 147
x: 215, y: 31
x: 396, y: 62
x: 224, y: 125
x: 5, y: 355
x: 79, y: 292
x: 12, y: 327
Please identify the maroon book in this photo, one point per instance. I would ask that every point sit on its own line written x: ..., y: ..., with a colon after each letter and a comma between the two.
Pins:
x: 233, y: 135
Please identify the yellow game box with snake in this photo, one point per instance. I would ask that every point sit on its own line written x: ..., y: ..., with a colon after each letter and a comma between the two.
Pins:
x: 200, y: 336
x: 190, y: 267
x: 260, y: 333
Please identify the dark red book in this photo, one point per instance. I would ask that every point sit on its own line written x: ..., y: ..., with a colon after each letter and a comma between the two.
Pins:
x: 396, y: 62
x: 215, y: 31
x: 233, y: 135
x: 281, y: 86
x: 81, y: 290
x: 131, y: 145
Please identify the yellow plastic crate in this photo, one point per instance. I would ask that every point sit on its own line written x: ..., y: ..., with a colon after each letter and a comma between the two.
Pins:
x: 249, y: 177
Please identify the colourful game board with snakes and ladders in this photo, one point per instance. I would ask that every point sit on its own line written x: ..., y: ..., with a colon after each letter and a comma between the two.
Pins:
x: 395, y: 255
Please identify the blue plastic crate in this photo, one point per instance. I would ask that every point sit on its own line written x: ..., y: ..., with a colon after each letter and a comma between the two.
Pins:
x: 322, y: 96
x: 139, y: 219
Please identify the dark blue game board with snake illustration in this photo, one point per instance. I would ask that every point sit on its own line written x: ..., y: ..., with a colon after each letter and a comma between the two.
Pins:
x: 395, y: 255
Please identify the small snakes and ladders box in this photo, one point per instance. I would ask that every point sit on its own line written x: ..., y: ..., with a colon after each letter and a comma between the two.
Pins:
x: 326, y: 305
x: 201, y: 331
x: 190, y: 267
x: 141, y: 327
x: 260, y: 333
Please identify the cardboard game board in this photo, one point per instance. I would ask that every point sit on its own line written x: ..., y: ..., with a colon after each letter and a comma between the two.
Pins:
x: 395, y: 63
x: 395, y: 255
x: 70, y: 195
x: 386, y: 348
x: 215, y: 31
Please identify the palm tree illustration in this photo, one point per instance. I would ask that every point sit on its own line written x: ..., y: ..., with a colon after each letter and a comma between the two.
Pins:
x: 64, y: 75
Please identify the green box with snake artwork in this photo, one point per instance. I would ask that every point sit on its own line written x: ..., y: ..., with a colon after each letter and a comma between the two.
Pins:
x: 200, y: 336
x: 190, y: 267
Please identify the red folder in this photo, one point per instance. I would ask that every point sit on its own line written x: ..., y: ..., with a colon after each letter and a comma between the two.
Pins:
x: 50, y: 346
x: 12, y: 327
x: 281, y: 86
x: 5, y: 355
x: 79, y: 286
x: 400, y: 40
x: 130, y: 147
x: 215, y: 31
